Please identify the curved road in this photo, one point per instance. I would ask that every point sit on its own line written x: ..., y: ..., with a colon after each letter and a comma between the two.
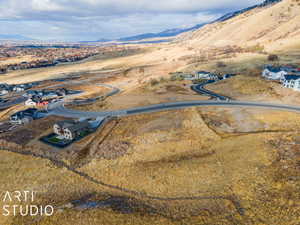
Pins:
x: 199, y: 88
x: 114, y: 91
x: 60, y: 110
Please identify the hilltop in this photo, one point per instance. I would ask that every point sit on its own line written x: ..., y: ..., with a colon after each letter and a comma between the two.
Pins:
x: 274, y: 27
x: 173, y: 32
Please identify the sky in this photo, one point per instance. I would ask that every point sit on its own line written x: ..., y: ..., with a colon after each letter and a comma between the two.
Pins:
x: 90, y: 20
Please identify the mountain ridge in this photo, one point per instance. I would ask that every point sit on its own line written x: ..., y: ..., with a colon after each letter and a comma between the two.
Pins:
x: 176, y: 31
x: 15, y: 37
x: 280, y: 29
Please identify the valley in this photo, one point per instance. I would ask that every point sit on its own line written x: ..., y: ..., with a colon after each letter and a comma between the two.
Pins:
x: 190, y: 131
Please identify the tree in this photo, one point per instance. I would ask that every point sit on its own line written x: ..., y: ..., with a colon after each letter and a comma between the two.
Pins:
x: 273, y: 57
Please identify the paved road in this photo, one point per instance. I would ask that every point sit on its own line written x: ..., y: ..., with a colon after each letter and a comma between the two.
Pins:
x: 199, y: 88
x: 60, y: 110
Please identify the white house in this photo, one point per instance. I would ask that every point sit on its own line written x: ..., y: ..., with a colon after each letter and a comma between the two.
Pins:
x: 30, y: 102
x: 274, y: 73
x: 291, y: 81
x: 206, y: 75
x: 18, y: 89
x: 70, y: 129
x: 3, y: 92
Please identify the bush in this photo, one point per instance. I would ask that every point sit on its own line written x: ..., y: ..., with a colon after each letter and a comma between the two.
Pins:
x: 273, y: 58
x: 255, y: 48
x: 162, y: 79
x: 221, y: 64
x: 153, y: 82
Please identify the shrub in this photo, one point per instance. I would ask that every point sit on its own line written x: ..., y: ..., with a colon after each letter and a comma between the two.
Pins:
x: 153, y: 82
x: 162, y: 79
x: 273, y: 58
x: 221, y: 64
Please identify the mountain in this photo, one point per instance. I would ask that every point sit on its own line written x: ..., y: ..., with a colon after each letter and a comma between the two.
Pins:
x: 270, y: 27
x: 14, y: 37
x: 176, y: 31
x: 166, y: 33
x: 236, y: 13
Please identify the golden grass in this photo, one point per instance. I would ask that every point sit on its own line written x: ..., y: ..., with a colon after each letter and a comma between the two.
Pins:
x: 171, y: 155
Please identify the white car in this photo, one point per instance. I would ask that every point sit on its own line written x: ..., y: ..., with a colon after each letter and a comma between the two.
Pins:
x: 29, y: 102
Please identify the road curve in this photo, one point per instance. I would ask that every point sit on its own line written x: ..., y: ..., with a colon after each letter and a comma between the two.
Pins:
x: 199, y: 88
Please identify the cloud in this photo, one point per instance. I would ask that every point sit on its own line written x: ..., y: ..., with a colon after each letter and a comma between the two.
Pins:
x: 94, y: 19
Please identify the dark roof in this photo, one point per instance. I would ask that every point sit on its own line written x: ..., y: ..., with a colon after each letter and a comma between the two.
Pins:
x: 291, y: 77
x: 288, y: 68
x: 274, y: 69
x: 73, y: 125
x: 79, y: 125
x: 27, y: 112
x: 230, y: 74
x: 65, y: 123
x: 205, y: 72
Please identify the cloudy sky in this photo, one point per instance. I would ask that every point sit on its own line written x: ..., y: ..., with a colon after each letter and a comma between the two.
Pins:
x: 75, y: 20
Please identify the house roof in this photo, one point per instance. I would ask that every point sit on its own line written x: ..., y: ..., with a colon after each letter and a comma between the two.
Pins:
x: 290, y: 77
x: 288, y: 68
x: 229, y: 75
x: 65, y: 123
x: 73, y: 125
x: 274, y: 69
x: 204, y: 72
x: 79, y: 125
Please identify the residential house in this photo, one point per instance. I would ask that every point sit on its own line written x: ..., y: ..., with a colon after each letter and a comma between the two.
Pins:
x: 196, y: 76
x: 290, y: 68
x: 49, y: 95
x: 3, y: 92
x: 226, y: 76
x: 18, y: 88
x: 70, y: 129
x: 62, y: 92
x: 27, y: 115
x: 4, y: 89
x: 291, y: 81
x: 181, y: 75
x: 30, y: 93
x: 274, y: 73
x: 205, y: 75
x: 30, y: 102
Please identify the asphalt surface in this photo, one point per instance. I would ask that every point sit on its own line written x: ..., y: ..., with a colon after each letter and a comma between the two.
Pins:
x: 199, y: 88
x: 62, y: 111
x: 59, y: 109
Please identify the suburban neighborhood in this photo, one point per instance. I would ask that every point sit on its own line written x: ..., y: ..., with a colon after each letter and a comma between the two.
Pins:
x: 144, y: 112
x: 288, y: 76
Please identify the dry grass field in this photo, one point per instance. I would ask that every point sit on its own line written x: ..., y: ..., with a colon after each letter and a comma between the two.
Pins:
x: 204, y: 166
x: 249, y: 175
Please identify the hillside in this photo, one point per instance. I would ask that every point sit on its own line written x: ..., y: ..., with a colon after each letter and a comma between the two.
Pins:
x: 275, y: 27
x: 171, y: 33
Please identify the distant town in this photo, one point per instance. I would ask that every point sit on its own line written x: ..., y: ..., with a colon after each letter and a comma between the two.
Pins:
x: 38, y: 56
